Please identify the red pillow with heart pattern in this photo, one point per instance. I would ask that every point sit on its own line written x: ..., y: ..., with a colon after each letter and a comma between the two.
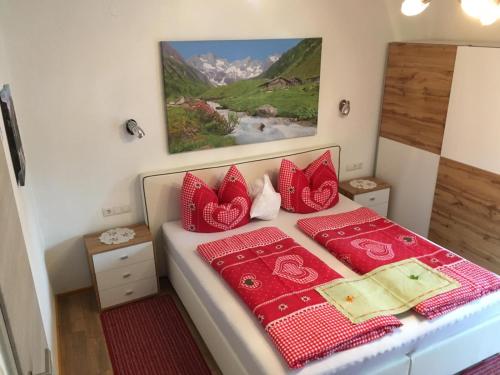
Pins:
x: 312, y: 189
x: 205, y: 210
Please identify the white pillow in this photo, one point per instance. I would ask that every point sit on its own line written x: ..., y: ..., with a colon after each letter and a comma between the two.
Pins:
x: 266, y: 203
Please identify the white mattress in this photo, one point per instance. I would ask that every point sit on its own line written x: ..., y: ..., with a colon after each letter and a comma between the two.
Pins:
x: 251, y: 343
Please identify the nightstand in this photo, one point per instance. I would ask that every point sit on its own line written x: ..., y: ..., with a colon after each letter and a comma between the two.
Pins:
x: 373, y: 194
x: 124, y: 272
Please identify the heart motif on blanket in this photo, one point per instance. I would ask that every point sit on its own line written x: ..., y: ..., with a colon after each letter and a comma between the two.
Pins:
x: 249, y: 281
x: 291, y: 267
x: 321, y: 197
x: 225, y: 216
x: 374, y: 249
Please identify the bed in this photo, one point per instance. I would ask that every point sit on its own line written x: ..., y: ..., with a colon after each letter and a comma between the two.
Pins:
x: 234, y: 337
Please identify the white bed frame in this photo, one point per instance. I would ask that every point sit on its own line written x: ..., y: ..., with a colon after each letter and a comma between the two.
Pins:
x: 161, y: 189
x: 161, y: 194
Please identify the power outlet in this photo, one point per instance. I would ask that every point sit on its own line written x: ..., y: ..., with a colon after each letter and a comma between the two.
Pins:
x: 354, y: 166
x: 116, y: 210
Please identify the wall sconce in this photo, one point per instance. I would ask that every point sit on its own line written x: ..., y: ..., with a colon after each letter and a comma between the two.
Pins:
x: 344, y: 107
x: 134, y: 129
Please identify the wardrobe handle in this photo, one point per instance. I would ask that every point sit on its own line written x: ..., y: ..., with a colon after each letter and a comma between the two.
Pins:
x: 123, y: 257
x: 125, y: 275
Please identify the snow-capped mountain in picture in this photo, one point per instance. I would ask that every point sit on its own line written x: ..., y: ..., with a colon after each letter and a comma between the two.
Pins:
x: 270, y: 61
x: 220, y: 71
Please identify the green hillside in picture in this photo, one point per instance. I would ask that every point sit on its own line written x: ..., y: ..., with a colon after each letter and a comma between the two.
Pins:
x: 300, y: 101
x: 179, y: 78
x: 303, y: 61
x: 292, y: 99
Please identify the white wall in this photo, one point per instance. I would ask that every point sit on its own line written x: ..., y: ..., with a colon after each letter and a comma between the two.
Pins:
x: 29, y: 222
x: 83, y: 68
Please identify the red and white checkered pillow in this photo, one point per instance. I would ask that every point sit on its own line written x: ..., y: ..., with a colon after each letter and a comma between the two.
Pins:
x: 312, y: 189
x: 205, y: 210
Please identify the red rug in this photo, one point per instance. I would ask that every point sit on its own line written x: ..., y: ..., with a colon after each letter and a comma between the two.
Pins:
x: 490, y: 366
x: 150, y: 337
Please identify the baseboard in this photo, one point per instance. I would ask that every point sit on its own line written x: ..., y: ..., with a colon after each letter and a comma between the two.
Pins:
x: 74, y: 291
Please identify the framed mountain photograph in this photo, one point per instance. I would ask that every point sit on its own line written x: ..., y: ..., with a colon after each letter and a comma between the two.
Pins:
x: 233, y: 92
x: 13, y: 135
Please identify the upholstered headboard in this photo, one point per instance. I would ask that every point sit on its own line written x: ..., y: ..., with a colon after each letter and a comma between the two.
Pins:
x: 161, y: 189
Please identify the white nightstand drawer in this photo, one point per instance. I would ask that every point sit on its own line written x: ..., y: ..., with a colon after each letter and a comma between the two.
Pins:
x: 373, y: 198
x: 381, y: 209
x: 124, y: 275
x: 128, y: 292
x: 123, y: 257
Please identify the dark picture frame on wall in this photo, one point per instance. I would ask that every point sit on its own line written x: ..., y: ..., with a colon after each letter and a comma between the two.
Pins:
x: 13, y: 136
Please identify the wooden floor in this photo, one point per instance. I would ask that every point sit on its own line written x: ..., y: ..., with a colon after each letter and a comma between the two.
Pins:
x: 82, y: 348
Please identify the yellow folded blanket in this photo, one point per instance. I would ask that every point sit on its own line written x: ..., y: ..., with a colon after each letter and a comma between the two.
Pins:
x: 388, y: 290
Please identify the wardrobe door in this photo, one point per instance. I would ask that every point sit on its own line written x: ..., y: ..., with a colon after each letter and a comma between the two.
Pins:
x: 416, y: 93
x: 412, y: 173
x: 472, y: 132
x: 466, y: 210
x: 17, y: 288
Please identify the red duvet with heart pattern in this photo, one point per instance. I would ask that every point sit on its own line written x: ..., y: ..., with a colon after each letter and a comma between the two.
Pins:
x: 363, y: 240
x: 276, y: 278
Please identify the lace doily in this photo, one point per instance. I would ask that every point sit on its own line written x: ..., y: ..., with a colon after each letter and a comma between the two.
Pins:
x: 117, y: 236
x: 363, y: 184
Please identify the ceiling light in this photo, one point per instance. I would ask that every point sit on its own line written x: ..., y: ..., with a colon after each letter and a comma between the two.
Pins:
x: 487, y: 11
x: 472, y: 7
x: 488, y: 18
x: 414, y: 7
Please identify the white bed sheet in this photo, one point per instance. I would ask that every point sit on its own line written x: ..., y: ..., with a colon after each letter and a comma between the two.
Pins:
x: 251, y: 343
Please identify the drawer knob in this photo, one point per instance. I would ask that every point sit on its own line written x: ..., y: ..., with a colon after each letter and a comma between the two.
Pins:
x: 123, y: 257
x: 129, y: 292
x: 125, y: 275
x: 372, y: 198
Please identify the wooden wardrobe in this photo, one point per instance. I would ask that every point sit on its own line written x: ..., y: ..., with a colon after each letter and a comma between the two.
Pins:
x: 17, y: 286
x: 439, y: 145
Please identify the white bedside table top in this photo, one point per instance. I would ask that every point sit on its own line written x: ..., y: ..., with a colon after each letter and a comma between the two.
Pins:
x: 95, y: 246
